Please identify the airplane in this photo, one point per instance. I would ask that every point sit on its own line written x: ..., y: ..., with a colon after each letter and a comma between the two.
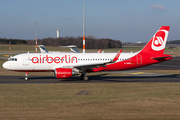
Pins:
x: 99, y: 51
x: 73, y: 48
x: 66, y: 65
x: 42, y: 49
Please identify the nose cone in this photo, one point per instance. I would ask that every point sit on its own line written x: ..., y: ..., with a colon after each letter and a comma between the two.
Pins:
x: 5, y: 65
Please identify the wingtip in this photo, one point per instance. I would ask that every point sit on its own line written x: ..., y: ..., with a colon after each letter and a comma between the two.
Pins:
x: 117, y: 56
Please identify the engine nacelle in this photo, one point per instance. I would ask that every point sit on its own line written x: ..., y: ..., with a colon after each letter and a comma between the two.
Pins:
x: 65, y: 72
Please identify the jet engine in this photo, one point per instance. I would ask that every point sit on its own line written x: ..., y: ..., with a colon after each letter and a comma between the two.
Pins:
x: 65, y: 72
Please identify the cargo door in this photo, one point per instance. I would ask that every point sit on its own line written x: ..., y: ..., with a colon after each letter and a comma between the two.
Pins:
x: 25, y: 60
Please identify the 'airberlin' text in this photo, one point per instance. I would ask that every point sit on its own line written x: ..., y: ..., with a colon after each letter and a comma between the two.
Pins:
x: 49, y: 59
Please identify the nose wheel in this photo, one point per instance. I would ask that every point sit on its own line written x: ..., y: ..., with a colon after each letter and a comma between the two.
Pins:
x: 26, y: 76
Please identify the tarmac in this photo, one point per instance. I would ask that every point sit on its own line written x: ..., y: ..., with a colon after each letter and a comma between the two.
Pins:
x: 135, y: 75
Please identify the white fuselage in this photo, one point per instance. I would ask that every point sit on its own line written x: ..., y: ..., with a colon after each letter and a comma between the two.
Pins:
x: 51, y: 61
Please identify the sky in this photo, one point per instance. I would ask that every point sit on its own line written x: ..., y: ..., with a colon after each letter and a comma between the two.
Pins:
x: 124, y: 20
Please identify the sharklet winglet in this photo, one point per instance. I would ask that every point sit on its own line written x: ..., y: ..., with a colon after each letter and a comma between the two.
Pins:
x: 116, y: 57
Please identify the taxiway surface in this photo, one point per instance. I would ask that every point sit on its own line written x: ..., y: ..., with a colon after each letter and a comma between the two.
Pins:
x: 137, y: 76
x: 93, y: 79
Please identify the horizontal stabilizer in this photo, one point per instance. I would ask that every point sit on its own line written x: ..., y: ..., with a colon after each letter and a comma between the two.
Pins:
x: 161, y: 58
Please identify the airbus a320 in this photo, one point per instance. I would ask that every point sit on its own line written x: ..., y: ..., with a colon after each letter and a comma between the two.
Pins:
x: 65, y: 65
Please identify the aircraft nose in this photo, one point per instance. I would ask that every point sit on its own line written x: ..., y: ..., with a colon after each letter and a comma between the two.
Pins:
x: 5, y: 65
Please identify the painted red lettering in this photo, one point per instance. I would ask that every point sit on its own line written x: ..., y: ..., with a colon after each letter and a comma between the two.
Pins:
x: 57, y: 60
x: 69, y: 59
x: 35, y: 60
x: 43, y: 59
x: 73, y: 58
x: 40, y: 58
x: 62, y: 59
x: 66, y: 59
x: 49, y: 59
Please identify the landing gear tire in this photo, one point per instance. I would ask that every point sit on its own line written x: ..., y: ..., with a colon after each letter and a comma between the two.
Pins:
x: 26, y: 78
x: 84, y: 77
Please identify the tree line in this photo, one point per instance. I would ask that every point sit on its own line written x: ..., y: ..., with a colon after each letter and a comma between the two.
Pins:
x: 12, y: 41
x: 174, y: 42
x: 91, y: 43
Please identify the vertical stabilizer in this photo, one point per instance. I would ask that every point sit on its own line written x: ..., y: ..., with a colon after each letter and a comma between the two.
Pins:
x: 158, y: 42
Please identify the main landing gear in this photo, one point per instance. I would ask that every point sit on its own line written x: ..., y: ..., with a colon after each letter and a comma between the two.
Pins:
x: 26, y: 76
x: 84, y: 77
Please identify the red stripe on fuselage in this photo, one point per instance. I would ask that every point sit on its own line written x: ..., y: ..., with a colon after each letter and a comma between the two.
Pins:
x: 131, y: 63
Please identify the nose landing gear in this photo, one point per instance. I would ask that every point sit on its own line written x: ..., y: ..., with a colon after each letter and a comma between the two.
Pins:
x: 26, y: 76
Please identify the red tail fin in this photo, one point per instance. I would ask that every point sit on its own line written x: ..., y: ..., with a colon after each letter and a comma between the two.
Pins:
x: 158, y: 42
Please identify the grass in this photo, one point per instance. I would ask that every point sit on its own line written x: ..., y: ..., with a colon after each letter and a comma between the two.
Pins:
x: 137, y: 101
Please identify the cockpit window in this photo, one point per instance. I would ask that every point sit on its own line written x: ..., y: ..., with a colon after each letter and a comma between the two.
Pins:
x: 13, y: 59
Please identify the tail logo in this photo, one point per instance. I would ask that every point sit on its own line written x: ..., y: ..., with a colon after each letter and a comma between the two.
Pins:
x: 159, y: 40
